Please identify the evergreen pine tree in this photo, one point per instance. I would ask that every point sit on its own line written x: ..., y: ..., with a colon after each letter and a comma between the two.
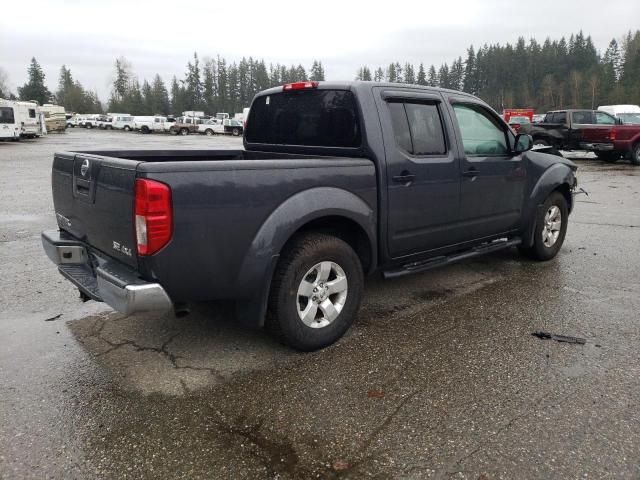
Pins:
x: 35, y: 89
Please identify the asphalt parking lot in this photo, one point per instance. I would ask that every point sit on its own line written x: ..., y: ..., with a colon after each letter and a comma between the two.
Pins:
x: 439, y: 377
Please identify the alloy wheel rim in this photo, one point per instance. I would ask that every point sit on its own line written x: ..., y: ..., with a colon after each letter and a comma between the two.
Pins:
x: 322, y: 294
x: 552, y: 226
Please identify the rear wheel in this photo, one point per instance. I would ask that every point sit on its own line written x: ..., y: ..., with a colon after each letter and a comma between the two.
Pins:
x: 635, y: 154
x: 208, y: 132
x: 235, y: 132
x: 145, y: 129
x: 608, y: 157
x: 550, y: 229
x: 126, y: 128
x: 184, y: 131
x: 316, y: 292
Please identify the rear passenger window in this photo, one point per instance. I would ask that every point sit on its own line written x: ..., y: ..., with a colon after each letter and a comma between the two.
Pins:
x: 418, y: 128
x: 584, y: 118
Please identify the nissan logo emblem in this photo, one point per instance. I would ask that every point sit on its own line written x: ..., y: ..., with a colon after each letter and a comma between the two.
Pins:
x: 84, y: 169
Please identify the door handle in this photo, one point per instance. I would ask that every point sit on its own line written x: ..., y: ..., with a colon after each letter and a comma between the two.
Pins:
x: 404, y: 177
x: 471, y: 173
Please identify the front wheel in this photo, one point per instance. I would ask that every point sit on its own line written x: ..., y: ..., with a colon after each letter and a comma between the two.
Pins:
x: 550, y: 228
x: 126, y: 128
x: 316, y: 292
x: 208, y: 132
x: 235, y: 132
x: 184, y: 131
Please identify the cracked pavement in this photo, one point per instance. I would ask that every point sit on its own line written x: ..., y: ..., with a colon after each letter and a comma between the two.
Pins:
x: 440, y: 376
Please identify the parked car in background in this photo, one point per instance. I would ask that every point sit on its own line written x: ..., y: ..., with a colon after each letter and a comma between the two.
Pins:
x: 517, y: 116
x: 55, y: 117
x: 537, y: 118
x: 150, y: 124
x: 627, y: 114
x: 27, y: 115
x: 574, y: 130
x: 104, y: 122
x: 185, y: 125
x: 91, y: 121
x: 222, y: 127
x: 245, y: 116
x: 336, y: 180
x: 515, y: 122
x: 10, y: 128
x: 122, y: 121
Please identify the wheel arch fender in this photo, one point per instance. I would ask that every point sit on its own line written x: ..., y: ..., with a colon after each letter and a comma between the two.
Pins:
x: 290, y: 217
x: 557, y: 177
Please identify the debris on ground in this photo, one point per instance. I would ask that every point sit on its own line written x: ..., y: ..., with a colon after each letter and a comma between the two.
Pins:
x: 375, y: 394
x: 51, y: 319
x: 559, y: 338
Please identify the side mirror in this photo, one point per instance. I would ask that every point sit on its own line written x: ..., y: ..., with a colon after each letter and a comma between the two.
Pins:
x: 524, y: 142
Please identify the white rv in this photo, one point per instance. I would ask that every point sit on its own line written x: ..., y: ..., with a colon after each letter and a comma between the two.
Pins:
x: 28, y: 118
x: 55, y: 117
x: 9, y: 125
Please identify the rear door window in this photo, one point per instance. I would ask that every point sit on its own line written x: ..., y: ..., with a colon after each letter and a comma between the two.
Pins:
x: 32, y: 113
x: 560, y: 117
x: 322, y: 118
x: 583, y: 118
x: 418, y: 128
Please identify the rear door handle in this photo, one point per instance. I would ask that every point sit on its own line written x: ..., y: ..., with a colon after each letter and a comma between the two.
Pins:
x: 404, y: 177
x: 471, y: 173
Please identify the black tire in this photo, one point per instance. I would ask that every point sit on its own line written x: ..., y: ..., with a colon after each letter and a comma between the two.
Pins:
x: 539, y: 250
x: 208, y: 132
x: 89, y: 126
x: 608, y: 157
x: 145, y: 129
x: 184, y: 131
x: 635, y: 154
x: 541, y: 143
x: 126, y: 128
x: 235, y: 132
x: 305, y: 252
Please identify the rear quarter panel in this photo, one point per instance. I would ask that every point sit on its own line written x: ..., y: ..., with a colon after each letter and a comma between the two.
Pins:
x: 219, y: 208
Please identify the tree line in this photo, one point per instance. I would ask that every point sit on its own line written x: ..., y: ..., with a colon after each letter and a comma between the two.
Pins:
x: 554, y: 74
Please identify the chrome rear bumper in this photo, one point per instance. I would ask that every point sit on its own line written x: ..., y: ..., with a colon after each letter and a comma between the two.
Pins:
x: 101, y: 278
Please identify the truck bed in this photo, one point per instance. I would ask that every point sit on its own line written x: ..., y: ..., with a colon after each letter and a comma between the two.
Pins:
x: 220, y: 198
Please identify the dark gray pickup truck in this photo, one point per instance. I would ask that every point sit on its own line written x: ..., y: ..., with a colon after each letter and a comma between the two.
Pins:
x: 335, y: 181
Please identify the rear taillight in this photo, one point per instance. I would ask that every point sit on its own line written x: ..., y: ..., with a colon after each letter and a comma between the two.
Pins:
x: 612, y: 134
x: 153, y: 215
x: 299, y: 86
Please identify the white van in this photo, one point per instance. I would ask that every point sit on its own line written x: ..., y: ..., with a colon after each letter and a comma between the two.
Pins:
x: 628, y: 114
x: 121, y: 121
x: 9, y: 125
x: 28, y: 118
x: 156, y: 123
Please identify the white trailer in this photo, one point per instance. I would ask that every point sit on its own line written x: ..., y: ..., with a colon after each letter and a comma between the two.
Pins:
x: 28, y: 118
x: 55, y: 117
x: 9, y: 125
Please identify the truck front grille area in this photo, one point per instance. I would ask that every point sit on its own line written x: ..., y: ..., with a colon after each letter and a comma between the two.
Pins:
x: 83, y: 277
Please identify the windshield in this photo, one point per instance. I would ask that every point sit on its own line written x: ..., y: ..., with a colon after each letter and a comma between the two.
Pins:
x: 321, y: 118
x: 630, y: 118
x: 6, y: 115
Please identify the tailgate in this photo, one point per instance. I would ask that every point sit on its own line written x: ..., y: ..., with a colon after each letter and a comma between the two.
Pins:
x: 93, y: 201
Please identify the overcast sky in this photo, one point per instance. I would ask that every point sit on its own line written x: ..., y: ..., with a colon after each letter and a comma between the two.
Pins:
x: 160, y: 36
